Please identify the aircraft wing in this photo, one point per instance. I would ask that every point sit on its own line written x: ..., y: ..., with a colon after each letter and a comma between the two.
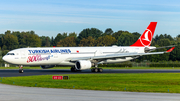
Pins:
x: 118, y: 55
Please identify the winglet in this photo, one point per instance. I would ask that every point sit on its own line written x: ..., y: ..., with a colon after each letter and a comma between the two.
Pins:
x: 170, y: 50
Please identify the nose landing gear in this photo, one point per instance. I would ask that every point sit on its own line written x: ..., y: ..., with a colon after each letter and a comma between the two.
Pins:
x: 21, y: 69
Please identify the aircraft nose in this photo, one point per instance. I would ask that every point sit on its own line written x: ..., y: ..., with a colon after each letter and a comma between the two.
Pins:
x: 4, y: 58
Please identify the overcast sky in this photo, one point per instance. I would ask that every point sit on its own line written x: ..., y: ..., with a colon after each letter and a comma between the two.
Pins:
x: 50, y: 17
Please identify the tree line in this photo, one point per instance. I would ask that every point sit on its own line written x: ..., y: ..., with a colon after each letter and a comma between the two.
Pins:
x: 89, y: 37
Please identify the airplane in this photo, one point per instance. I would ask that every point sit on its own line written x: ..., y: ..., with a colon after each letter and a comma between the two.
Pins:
x: 82, y: 58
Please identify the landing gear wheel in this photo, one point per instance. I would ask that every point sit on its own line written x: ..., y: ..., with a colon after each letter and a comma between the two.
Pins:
x: 100, y: 70
x: 21, y: 71
x: 73, y: 69
x: 92, y: 70
x: 96, y: 70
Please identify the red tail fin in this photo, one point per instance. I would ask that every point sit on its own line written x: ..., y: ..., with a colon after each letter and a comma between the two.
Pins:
x: 146, y: 37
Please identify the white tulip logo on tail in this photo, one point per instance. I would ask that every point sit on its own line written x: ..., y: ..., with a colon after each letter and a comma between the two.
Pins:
x: 146, y: 38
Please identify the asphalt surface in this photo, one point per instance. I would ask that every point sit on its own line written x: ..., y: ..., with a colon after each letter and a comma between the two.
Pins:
x: 29, y: 72
x: 17, y: 93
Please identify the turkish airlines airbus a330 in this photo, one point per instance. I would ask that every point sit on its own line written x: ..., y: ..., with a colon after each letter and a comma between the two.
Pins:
x: 81, y: 58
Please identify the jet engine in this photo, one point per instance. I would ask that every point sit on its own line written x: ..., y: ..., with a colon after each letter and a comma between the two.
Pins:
x: 83, y: 64
x: 47, y: 66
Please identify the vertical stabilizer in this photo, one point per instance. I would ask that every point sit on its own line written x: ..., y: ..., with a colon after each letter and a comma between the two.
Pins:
x: 146, y: 38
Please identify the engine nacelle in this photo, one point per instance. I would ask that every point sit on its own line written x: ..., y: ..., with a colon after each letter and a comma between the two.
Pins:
x: 47, y: 66
x: 83, y: 64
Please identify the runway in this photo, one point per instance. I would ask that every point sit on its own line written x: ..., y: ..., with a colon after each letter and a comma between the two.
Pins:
x: 30, y: 72
x: 17, y: 93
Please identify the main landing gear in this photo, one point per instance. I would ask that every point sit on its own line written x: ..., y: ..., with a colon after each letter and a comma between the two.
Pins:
x: 73, y: 69
x: 97, y: 70
x: 21, y: 69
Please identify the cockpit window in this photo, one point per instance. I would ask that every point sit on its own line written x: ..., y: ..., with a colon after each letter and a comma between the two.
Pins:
x: 10, y: 54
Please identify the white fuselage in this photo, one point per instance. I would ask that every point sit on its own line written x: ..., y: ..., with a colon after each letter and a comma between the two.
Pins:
x: 60, y: 55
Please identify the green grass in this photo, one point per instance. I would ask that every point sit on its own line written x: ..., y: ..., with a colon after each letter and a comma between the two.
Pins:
x: 100, y: 67
x: 145, y: 82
